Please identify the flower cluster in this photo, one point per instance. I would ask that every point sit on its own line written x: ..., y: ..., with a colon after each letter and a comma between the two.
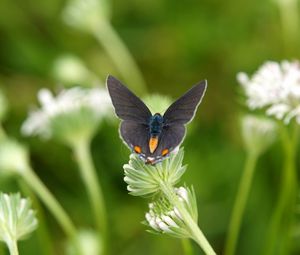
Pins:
x: 70, y: 70
x: 17, y: 219
x: 276, y: 88
x: 86, y: 14
x: 14, y: 158
x: 145, y: 179
x: 166, y: 218
x: 258, y: 133
x: 73, y: 113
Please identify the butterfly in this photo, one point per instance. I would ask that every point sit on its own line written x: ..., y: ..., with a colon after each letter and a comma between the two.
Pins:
x: 153, y: 137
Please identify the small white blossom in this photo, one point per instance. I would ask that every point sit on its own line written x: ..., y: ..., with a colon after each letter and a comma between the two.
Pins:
x: 70, y: 70
x: 17, y: 219
x: 88, y: 242
x: 258, y: 133
x: 145, y: 179
x: 164, y: 218
x: 157, y: 103
x: 72, y: 113
x: 14, y: 158
x: 275, y: 87
x: 86, y: 14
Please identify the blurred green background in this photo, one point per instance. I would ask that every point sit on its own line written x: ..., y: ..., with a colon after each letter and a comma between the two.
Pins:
x: 175, y: 44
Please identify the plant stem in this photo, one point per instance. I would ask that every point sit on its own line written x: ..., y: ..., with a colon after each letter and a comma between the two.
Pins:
x: 43, y: 231
x: 50, y: 201
x: 288, y: 10
x: 90, y: 179
x: 196, y: 233
x: 187, y: 247
x: 121, y: 56
x: 287, y: 195
x: 13, y: 248
x: 240, y: 204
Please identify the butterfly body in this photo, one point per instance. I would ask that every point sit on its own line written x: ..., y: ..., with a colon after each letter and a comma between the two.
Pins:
x: 153, y: 137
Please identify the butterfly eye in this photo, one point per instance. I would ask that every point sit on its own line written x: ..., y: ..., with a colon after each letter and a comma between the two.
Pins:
x: 137, y: 149
x: 164, y: 152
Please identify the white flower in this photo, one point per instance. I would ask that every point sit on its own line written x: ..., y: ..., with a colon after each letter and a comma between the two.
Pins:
x: 88, y: 241
x: 14, y: 158
x: 73, y: 113
x: 86, y: 14
x: 276, y: 88
x: 258, y: 133
x: 145, y: 179
x: 17, y: 219
x: 70, y: 70
x: 165, y: 218
x: 157, y: 103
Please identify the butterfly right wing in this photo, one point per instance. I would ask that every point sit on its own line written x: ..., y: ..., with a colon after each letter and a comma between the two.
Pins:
x: 127, y: 105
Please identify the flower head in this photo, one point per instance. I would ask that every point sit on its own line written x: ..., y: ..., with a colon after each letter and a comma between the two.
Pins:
x: 157, y: 103
x: 165, y: 218
x: 144, y: 179
x: 14, y: 158
x: 74, y: 114
x: 86, y: 14
x: 258, y: 133
x: 88, y: 241
x: 275, y: 87
x: 70, y: 70
x: 17, y: 219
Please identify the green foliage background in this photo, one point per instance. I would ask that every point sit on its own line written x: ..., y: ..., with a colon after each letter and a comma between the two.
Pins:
x: 176, y: 44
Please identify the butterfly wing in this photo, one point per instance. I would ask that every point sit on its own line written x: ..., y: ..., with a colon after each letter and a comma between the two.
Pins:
x: 170, y: 138
x: 135, y: 135
x: 127, y: 105
x: 183, y: 109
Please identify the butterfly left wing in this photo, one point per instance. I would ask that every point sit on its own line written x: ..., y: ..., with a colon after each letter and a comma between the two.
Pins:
x: 136, y: 136
x: 183, y: 109
x: 127, y: 105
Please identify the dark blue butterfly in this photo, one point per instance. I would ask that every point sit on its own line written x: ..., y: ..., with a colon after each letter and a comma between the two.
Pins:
x: 153, y: 136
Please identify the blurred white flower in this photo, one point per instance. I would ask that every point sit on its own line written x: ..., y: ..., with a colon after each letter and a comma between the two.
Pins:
x: 157, y: 103
x: 276, y: 88
x: 258, y: 133
x: 14, y: 158
x: 70, y: 70
x: 74, y: 113
x: 165, y: 218
x: 17, y: 219
x: 88, y: 241
x: 86, y: 14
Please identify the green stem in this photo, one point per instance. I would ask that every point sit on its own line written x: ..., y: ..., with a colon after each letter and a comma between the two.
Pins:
x: 282, y: 216
x: 49, y: 200
x: 187, y: 247
x: 2, y: 132
x: 90, y: 179
x: 240, y: 204
x: 121, y: 56
x: 195, y: 231
x: 13, y: 248
x: 43, y: 231
x: 289, y: 21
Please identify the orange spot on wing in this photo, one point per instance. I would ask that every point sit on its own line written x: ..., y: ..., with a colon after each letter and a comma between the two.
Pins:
x: 164, y: 152
x: 153, y: 142
x: 137, y: 149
